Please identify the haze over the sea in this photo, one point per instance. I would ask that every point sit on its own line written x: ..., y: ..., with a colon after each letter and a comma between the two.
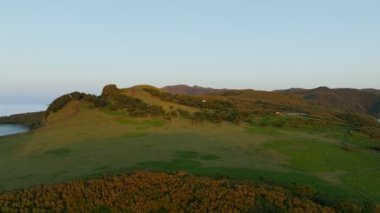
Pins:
x: 16, y: 109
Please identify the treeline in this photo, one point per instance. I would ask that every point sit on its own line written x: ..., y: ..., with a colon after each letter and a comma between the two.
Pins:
x: 361, y: 123
x: 281, y: 121
x: 214, y: 111
x: 134, y: 106
x: 32, y: 120
x: 112, y: 101
x: 61, y: 102
x: 218, y: 116
x: 162, y: 192
x: 357, y: 119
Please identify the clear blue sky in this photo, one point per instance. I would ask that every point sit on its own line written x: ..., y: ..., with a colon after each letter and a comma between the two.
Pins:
x: 48, y: 48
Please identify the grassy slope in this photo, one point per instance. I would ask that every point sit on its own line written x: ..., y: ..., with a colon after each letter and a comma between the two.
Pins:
x: 80, y: 142
x: 140, y: 93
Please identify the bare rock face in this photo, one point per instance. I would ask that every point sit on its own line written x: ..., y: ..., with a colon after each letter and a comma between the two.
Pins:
x: 110, y: 90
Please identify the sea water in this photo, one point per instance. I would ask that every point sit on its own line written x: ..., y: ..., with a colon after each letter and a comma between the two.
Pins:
x: 5, y: 110
x: 6, y: 129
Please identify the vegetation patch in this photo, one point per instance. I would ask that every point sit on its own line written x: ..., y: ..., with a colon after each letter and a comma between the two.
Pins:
x: 187, y: 154
x: 264, y: 130
x: 57, y: 152
x: 210, y: 157
x: 156, y: 192
x: 32, y: 120
x: 115, y: 112
x: 155, y: 122
x: 192, y: 101
x: 62, y: 101
x: 375, y: 148
x: 136, y: 134
x: 174, y: 165
x: 284, y: 121
x: 142, y: 123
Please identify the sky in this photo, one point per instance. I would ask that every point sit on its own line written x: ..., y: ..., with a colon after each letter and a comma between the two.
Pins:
x: 49, y: 48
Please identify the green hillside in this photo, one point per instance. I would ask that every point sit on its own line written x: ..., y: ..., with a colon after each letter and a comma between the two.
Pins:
x: 143, y: 128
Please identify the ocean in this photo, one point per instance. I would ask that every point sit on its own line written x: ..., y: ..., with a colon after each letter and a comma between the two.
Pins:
x: 12, y: 129
x: 16, y: 109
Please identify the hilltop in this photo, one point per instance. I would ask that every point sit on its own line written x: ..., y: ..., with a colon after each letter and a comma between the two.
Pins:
x: 277, y: 138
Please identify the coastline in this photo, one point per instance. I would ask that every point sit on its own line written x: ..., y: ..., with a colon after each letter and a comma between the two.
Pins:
x: 12, y: 129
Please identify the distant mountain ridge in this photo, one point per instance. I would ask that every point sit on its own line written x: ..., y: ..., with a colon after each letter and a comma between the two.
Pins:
x: 347, y: 99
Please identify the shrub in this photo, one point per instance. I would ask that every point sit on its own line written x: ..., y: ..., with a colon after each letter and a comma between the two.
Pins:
x: 158, y: 192
x: 192, y: 101
x: 134, y: 106
x: 110, y: 90
x: 61, y: 102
